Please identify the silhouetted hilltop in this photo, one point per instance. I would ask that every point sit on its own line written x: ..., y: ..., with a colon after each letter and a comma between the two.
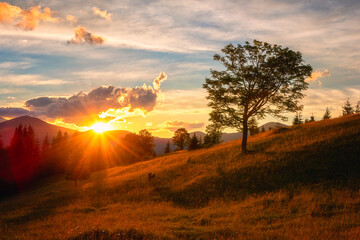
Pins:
x: 41, y: 128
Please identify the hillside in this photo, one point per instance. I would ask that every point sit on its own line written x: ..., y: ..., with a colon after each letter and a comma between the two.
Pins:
x: 2, y: 119
x: 41, y: 128
x: 301, y: 182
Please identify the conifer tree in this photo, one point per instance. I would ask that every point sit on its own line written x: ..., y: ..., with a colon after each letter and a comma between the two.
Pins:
x: 347, y: 108
x: 357, y: 108
x: 194, y: 143
x: 167, y: 148
x: 297, y: 119
x: 45, y: 144
x: 327, y: 114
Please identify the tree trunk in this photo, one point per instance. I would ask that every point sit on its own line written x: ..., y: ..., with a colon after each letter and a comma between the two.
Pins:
x: 75, y: 182
x: 244, y: 138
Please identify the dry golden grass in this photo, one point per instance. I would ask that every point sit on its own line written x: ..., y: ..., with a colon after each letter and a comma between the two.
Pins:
x: 301, y: 183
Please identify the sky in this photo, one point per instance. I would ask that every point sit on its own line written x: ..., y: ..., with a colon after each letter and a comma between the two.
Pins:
x: 141, y: 64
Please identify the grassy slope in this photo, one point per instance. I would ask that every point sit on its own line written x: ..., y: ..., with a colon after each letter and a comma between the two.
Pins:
x: 302, y: 183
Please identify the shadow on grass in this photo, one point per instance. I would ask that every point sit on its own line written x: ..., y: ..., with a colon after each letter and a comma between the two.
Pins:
x: 331, y: 165
x: 133, y: 234
x: 43, y: 209
x: 99, y: 234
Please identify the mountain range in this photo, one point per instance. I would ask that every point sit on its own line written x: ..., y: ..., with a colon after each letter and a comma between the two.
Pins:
x: 42, y: 128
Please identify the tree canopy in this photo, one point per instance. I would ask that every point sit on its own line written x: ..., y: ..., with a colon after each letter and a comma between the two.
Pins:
x: 181, y: 138
x: 258, y: 79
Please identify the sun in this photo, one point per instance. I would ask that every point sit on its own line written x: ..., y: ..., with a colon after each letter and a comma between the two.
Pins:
x: 100, y: 127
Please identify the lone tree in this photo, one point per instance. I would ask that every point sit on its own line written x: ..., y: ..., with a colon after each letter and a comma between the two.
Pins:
x: 77, y: 168
x: 181, y: 138
x: 258, y: 79
x: 327, y: 114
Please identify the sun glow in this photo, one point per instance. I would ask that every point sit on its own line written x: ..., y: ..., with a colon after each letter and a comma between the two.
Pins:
x: 100, y: 127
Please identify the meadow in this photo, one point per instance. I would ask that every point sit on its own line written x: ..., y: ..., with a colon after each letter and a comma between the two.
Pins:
x: 300, y: 182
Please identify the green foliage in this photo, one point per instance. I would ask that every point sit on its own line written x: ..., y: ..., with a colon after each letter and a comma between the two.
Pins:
x: 181, y: 138
x: 258, y: 79
x: 213, y: 134
x: 253, y: 126
x: 138, y: 147
x: 347, y: 108
x: 327, y: 114
x: 146, y: 140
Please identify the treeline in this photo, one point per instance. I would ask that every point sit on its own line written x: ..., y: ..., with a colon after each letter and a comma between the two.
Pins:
x: 27, y: 160
x: 183, y: 140
x: 347, y: 109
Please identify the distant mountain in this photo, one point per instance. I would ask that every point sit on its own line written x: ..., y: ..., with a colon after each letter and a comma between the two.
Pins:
x: 2, y: 119
x: 160, y: 144
x: 272, y: 125
x: 41, y: 128
x: 225, y: 136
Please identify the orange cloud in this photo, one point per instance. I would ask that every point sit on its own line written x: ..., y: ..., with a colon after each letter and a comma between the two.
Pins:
x: 157, y: 82
x: 106, y: 102
x: 316, y: 75
x: 82, y: 36
x: 71, y: 18
x: 104, y: 14
x: 25, y: 19
x: 174, y: 125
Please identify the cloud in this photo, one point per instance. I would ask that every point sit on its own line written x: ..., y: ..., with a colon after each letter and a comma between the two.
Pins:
x: 316, y: 75
x: 71, y: 18
x: 14, y: 112
x: 28, y: 80
x: 174, y: 125
x: 157, y: 82
x: 25, y: 19
x: 104, y: 14
x: 106, y: 101
x: 82, y: 36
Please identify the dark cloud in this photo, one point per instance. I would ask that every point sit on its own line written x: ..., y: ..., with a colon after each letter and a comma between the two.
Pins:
x: 15, y: 112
